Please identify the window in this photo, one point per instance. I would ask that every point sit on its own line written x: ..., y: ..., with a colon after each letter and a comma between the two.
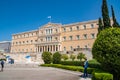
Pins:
x: 70, y: 28
x: 84, y: 26
x: 77, y: 27
x: 92, y: 35
x: 16, y: 42
x: 71, y: 48
x: 70, y: 37
x: 41, y: 40
x: 78, y: 46
x: 64, y: 48
x: 78, y: 37
x: 56, y: 38
x: 64, y: 29
x: 92, y: 25
x: 64, y: 38
x: 85, y: 46
x: 31, y: 49
x: 26, y: 41
x: 85, y: 36
x: 56, y: 30
x: 35, y: 40
x: 19, y: 42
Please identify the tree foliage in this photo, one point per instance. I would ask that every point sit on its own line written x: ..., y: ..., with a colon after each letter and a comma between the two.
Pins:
x: 64, y: 57
x: 115, y: 23
x: 105, y: 15
x: 100, y: 23
x: 72, y: 56
x: 81, y: 56
x: 106, y: 50
x: 47, y: 57
x: 56, y: 58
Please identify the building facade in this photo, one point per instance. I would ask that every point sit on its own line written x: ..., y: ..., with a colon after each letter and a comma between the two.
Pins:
x: 5, y: 46
x: 54, y: 37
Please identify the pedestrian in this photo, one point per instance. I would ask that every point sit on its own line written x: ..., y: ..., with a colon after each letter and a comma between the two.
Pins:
x: 85, y: 68
x: 2, y: 65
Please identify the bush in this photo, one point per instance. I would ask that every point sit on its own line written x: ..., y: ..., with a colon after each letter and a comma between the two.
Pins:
x: 47, y: 57
x: 72, y: 63
x: 72, y: 57
x: 81, y: 56
x: 64, y: 57
x: 56, y: 58
x: 106, y: 50
x: 102, y: 76
x: 94, y: 64
x: 72, y: 68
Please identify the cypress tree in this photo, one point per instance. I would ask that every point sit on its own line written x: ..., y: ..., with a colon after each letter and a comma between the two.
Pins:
x: 115, y: 23
x: 105, y: 15
x: 100, y: 24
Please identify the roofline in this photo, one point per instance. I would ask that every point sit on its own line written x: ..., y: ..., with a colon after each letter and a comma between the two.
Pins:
x: 89, y: 21
x: 5, y: 41
x: 24, y: 32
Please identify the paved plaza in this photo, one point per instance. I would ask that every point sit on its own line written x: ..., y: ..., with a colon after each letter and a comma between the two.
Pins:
x: 33, y: 72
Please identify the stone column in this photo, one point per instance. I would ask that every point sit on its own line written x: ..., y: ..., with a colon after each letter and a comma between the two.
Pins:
x: 38, y: 49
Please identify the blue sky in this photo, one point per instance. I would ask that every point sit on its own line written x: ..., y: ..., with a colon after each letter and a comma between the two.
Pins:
x: 24, y: 15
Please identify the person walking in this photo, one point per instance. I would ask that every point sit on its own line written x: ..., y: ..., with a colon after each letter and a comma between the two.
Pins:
x: 2, y: 65
x: 85, y: 68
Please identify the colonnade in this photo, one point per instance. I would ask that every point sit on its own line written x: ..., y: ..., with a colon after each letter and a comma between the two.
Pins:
x: 49, y: 48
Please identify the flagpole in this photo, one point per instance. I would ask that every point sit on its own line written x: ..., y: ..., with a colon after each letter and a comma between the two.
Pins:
x: 49, y: 18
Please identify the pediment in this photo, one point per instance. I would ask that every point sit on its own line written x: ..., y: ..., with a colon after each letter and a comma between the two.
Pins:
x: 50, y: 25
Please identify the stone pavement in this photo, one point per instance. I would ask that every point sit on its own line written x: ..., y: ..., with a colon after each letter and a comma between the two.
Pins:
x: 30, y: 72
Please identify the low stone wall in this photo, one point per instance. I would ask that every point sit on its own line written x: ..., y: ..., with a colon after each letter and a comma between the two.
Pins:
x: 21, y: 57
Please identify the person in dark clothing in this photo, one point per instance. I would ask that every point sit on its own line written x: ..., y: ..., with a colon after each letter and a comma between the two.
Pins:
x: 2, y: 65
x: 85, y: 68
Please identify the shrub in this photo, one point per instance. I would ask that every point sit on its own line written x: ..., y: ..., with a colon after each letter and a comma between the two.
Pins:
x: 72, y: 63
x: 64, y: 57
x: 47, y: 58
x: 102, y: 76
x: 56, y: 58
x: 72, y: 68
x: 94, y: 64
x: 106, y: 50
x: 72, y: 57
x: 81, y: 56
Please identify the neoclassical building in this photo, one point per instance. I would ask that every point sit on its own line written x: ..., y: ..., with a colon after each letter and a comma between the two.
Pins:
x: 56, y: 37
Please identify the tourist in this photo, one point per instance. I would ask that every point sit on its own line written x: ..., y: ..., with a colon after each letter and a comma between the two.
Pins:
x: 2, y: 65
x: 85, y: 68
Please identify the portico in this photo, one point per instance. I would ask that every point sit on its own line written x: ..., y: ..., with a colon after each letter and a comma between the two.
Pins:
x: 49, y: 48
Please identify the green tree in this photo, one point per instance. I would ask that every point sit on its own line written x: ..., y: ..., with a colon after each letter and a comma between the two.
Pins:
x: 72, y: 57
x: 47, y: 57
x: 64, y: 57
x: 56, y: 58
x: 81, y: 56
x: 105, y: 15
x: 101, y: 27
x: 115, y: 23
x: 106, y: 50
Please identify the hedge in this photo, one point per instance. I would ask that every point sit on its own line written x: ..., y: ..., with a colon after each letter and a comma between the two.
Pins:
x: 72, y: 68
x: 97, y: 74
x: 92, y: 64
x: 102, y: 76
